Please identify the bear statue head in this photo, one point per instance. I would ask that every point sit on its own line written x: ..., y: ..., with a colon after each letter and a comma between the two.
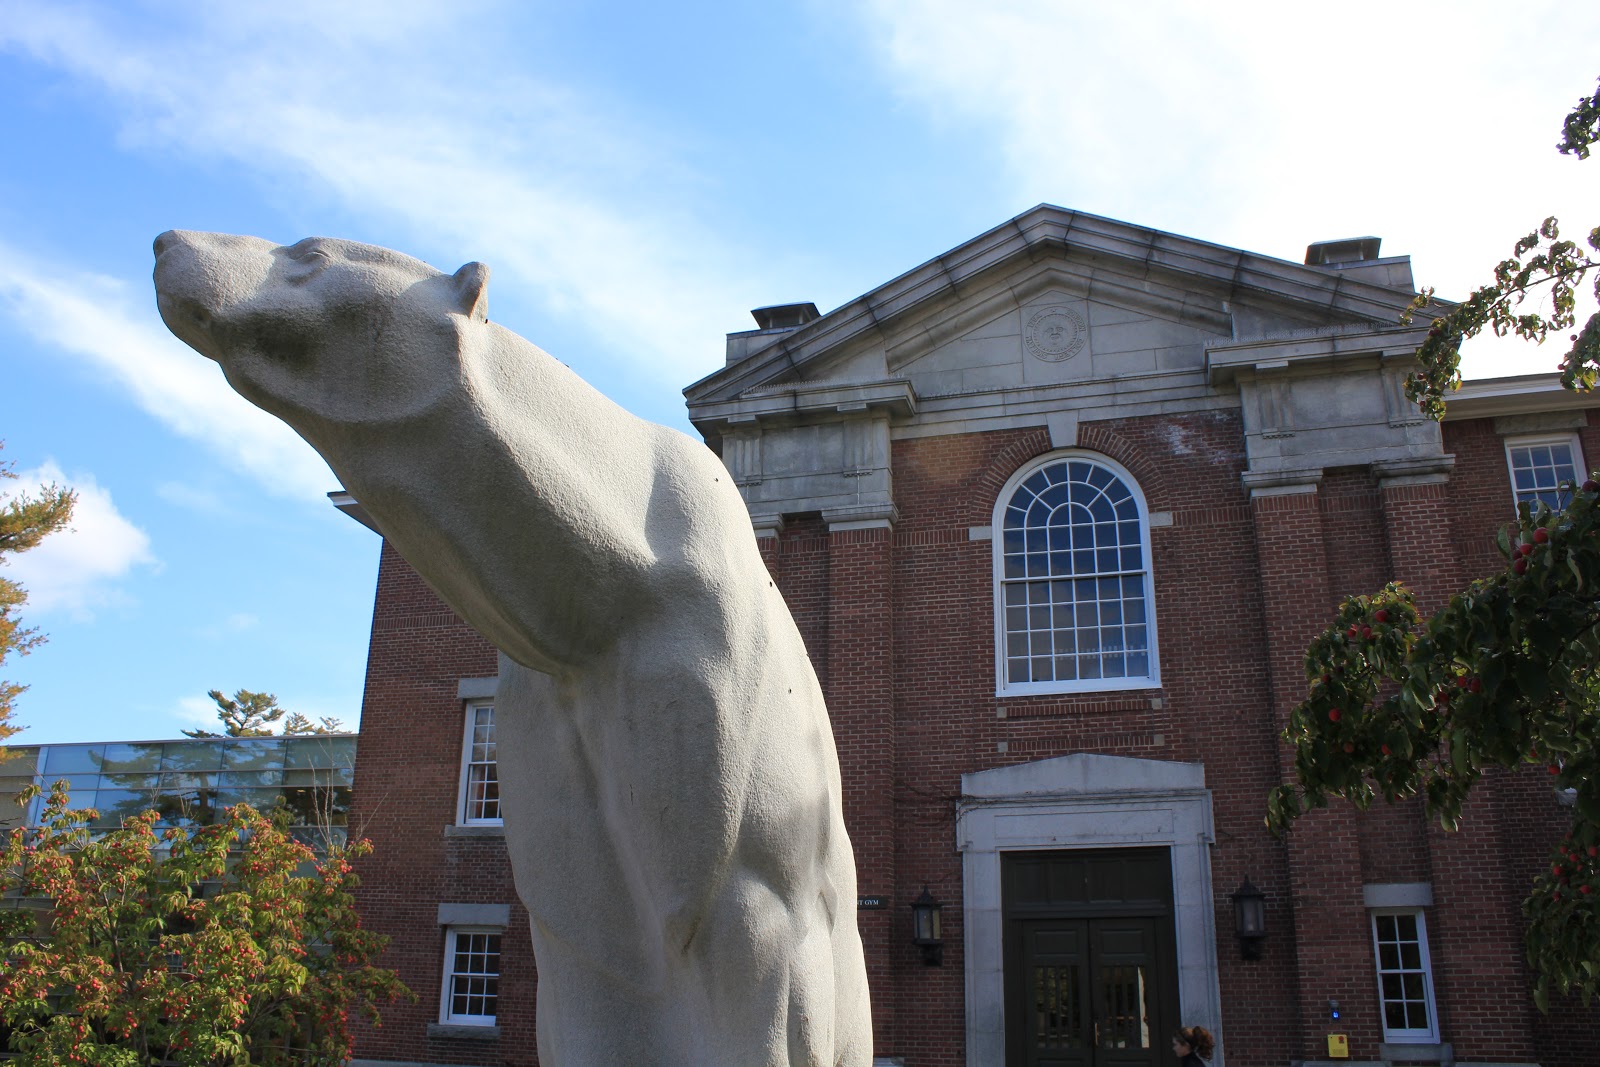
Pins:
x: 328, y: 335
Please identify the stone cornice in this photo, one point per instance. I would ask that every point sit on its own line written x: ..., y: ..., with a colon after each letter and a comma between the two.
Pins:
x: 1518, y: 395
x: 891, y: 395
x: 1227, y: 360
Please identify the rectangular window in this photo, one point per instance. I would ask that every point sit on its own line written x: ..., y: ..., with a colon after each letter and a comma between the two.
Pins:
x: 1539, y: 467
x: 1405, y: 975
x: 471, y: 976
x: 480, y: 779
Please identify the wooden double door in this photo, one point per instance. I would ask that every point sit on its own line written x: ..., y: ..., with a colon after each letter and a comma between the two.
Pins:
x: 1090, y: 973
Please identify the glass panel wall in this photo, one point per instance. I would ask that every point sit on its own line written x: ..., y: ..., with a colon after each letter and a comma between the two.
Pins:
x: 190, y: 782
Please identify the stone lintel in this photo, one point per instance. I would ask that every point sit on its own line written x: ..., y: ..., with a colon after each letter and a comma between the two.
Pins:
x: 476, y: 688
x: 475, y: 915
x: 1397, y: 894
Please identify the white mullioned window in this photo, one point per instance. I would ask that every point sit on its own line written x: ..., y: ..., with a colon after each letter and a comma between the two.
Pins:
x: 1074, y: 610
x: 471, y: 990
x: 1405, y: 975
x: 480, y: 777
x: 1540, y: 465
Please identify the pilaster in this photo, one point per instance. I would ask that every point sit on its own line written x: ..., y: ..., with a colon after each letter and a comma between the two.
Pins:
x: 861, y: 705
x: 1333, y: 961
x: 1475, y: 926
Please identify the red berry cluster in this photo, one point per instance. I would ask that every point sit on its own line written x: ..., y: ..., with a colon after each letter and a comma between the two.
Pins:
x: 1573, y: 871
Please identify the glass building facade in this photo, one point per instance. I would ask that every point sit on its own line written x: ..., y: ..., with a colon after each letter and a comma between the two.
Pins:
x: 190, y: 781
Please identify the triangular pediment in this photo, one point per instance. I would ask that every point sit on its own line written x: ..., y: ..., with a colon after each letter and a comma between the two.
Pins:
x: 1052, y: 297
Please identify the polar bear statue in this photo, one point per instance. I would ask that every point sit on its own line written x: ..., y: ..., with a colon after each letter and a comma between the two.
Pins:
x: 671, y: 788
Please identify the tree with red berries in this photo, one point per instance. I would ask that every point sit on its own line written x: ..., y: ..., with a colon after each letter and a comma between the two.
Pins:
x: 1505, y: 674
x: 226, y: 944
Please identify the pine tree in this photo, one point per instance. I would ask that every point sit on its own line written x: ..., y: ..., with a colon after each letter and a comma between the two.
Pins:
x: 25, y: 520
x: 248, y: 714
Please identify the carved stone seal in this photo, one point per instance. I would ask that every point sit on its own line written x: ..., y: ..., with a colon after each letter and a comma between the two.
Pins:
x: 1055, y: 333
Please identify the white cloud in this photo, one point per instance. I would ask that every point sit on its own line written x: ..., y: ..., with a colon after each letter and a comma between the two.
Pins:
x: 195, y: 499
x: 197, y: 711
x: 1268, y: 126
x: 236, y: 623
x: 407, y: 114
x: 91, y: 318
x: 77, y: 570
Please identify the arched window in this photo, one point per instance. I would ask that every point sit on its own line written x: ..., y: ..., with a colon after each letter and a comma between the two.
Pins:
x: 1073, y: 605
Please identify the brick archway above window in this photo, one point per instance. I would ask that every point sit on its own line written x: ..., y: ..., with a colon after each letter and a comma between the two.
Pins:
x: 1093, y: 437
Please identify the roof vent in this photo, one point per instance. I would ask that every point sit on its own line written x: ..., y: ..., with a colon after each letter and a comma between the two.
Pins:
x: 785, y: 316
x: 1346, y: 250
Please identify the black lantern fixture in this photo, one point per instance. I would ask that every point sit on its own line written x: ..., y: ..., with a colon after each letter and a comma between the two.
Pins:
x: 1250, y: 919
x: 925, y: 929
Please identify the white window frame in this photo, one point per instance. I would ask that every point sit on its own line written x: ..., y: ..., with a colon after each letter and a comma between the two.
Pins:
x: 1580, y: 471
x: 447, y: 985
x: 1427, y: 1036
x: 1004, y: 687
x: 463, y: 797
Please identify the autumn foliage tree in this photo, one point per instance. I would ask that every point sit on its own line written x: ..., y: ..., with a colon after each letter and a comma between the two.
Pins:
x: 1507, y: 674
x: 218, y: 945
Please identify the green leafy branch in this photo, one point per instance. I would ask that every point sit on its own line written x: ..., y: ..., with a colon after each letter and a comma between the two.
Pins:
x: 1543, y: 264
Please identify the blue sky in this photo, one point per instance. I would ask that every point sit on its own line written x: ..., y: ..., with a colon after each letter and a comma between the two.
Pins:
x: 638, y: 176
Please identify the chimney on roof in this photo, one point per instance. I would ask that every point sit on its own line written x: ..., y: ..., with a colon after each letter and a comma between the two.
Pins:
x: 785, y: 316
x: 1343, y: 251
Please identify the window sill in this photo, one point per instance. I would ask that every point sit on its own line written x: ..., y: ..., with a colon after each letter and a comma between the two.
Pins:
x: 1417, y: 1051
x: 463, y: 1032
x: 1101, y: 687
x: 474, y: 831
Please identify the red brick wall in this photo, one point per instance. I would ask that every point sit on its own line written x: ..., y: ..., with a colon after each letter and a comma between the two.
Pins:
x: 900, y: 627
x: 408, y: 767
x: 1518, y: 808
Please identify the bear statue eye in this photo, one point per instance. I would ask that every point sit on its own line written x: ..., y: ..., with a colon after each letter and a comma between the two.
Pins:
x: 306, y: 260
x: 306, y: 253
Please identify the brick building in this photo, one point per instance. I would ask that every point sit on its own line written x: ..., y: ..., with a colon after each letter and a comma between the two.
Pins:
x: 1057, y: 514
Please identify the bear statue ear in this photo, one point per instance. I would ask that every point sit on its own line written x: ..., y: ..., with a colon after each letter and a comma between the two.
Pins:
x: 471, y: 285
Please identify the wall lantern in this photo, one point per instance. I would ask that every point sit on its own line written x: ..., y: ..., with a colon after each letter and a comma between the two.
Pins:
x: 925, y: 929
x: 1250, y: 918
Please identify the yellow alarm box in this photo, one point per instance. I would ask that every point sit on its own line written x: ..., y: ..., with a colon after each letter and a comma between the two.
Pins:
x: 1338, y: 1046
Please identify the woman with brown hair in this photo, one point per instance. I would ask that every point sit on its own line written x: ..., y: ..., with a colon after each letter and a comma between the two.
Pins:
x: 1192, y: 1045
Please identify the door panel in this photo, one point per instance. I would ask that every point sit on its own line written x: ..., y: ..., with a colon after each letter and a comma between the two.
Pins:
x: 1058, y: 1021
x: 1088, y: 994
x: 1123, y: 957
x: 1090, y: 970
